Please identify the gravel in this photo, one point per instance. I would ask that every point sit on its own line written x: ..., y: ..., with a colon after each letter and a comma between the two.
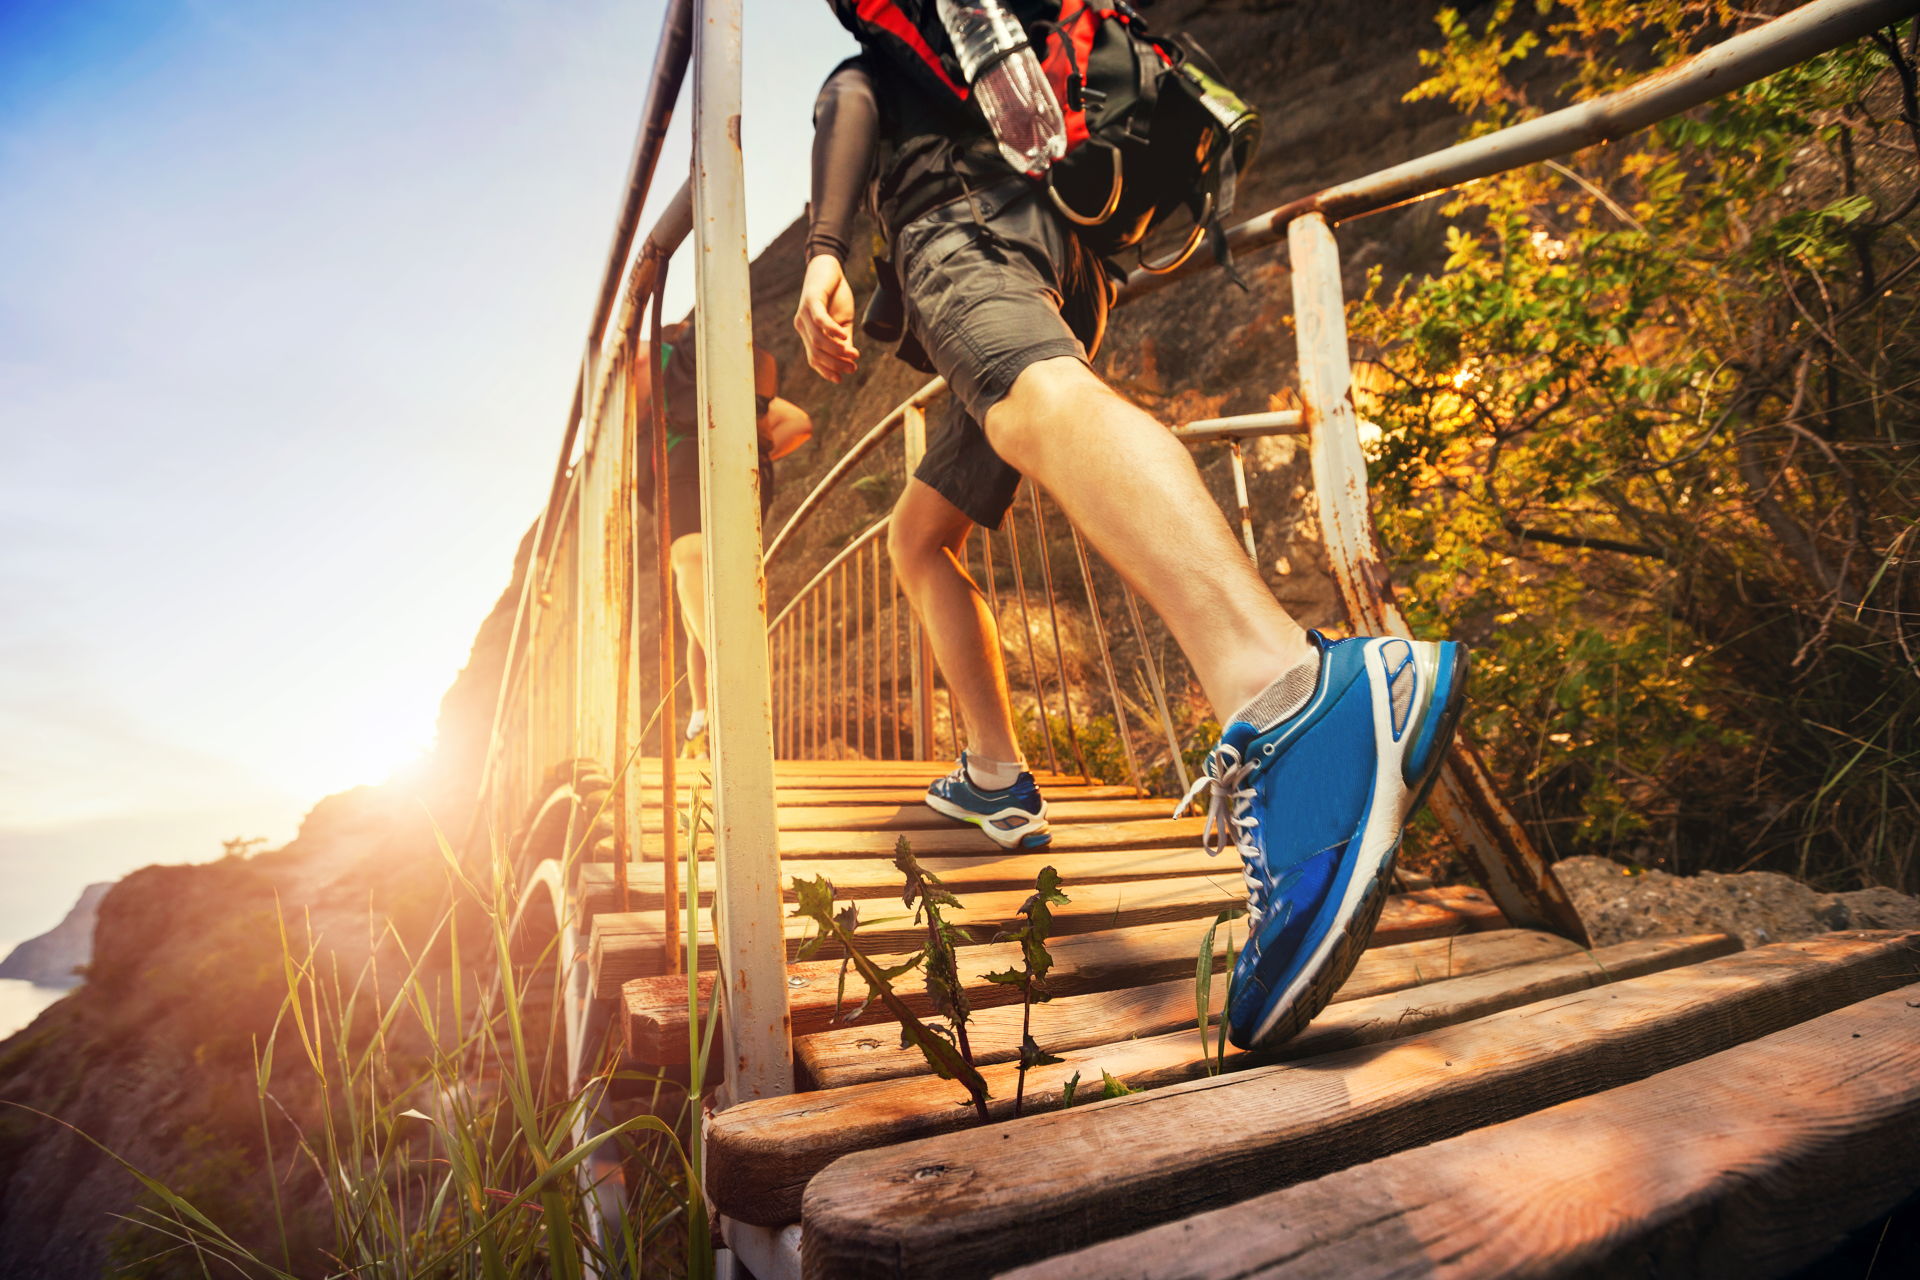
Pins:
x: 1619, y: 903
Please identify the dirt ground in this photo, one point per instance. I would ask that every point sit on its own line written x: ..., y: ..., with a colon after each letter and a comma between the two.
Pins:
x: 1618, y: 903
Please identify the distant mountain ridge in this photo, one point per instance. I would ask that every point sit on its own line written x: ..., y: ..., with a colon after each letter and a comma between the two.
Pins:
x: 51, y: 960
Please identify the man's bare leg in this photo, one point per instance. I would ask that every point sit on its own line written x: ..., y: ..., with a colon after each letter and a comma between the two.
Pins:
x: 689, y: 556
x: 924, y: 539
x: 1133, y: 490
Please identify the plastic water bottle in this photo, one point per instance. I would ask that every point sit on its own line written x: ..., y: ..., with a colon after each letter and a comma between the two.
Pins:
x: 1012, y: 91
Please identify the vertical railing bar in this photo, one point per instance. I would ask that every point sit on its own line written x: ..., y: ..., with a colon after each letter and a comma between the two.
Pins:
x: 813, y: 673
x: 953, y: 723
x: 828, y: 618
x: 1026, y: 630
x: 747, y: 908
x: 1053, y: 619
x: 1159, y: 689
x: 1240, y: 495
x: 893, y: 654
x: 1106, y: 660
x: 879, y: 749
x: 993, y: 587
x: 860, y: 655
x: 840, y: 699
x: 669, y: 723
x: 779, y: 690
x: 625, y: 577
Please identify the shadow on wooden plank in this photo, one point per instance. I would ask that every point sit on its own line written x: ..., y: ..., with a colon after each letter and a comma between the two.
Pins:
x: 972, y: 1202
x: 1749, y: 1162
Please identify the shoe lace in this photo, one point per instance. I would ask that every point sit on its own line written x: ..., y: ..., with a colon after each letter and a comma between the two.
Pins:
x: 1230, y: 818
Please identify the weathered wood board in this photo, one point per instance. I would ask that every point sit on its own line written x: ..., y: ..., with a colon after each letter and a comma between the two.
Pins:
x: 1750, y: 1162
x: 812, y: 1129
x: 857, y: 1055
x: 915, y: 816
x: 656, y: 1007
x: 980, y: 1200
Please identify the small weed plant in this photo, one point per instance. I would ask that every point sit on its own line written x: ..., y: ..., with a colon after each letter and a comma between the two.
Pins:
x: 943, y: 1039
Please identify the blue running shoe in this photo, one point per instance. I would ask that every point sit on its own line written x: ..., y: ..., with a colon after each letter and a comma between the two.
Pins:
x: 1013, y: 819
x: 1315, y: 803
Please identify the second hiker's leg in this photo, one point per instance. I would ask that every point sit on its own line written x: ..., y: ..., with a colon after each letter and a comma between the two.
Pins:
x: 1132, y: 488
x: 689, y: 555
x: 990, y: 786
x: 924, y: 541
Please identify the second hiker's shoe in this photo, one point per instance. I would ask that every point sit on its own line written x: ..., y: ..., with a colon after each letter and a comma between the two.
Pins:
x: 1314, y: 802
x: 1015, y: 818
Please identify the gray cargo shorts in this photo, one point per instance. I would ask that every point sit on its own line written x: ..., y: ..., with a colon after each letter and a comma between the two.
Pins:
x: 991, y: 286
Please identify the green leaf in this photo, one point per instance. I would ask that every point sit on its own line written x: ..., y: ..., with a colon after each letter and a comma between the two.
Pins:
x: 1203, y: 974
x: 1032, y: 1055
x: 1111, y: 1087
x: 1068, y: 1089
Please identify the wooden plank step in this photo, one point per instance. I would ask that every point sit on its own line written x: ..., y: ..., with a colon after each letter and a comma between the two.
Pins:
x: 655, y: 1009
x: 812, y: 1130
x: 872, y: 775
x: 973, y: 1202
x: 852, y: 764
x: 912, y: 815
x: 954, y: 838
x: 861, y: 1054
x: 874, y: 877
x: 627, y: 945
x: 1752, y: 1161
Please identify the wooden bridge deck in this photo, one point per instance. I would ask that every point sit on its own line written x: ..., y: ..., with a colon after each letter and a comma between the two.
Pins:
x: 1479, y: 1100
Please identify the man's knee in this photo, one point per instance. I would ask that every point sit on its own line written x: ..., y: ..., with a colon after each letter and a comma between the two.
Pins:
x: 1045, y: 395
x: 923, y: 528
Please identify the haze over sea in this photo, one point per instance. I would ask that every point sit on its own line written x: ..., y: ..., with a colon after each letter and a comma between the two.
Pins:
x: 21, y: 1002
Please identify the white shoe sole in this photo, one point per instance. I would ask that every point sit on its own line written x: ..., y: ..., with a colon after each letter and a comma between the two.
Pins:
x: 1005, y: 839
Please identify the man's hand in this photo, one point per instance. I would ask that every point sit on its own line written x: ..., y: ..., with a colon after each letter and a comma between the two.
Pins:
x: 824, y: 320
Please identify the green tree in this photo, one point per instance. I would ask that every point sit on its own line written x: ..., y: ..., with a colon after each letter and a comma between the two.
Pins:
x: 1649, y: 439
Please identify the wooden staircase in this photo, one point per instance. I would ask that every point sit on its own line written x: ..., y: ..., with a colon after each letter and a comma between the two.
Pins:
x: 1478, y: 1100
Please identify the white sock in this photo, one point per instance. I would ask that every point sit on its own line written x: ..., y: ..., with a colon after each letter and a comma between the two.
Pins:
x: 696, y: 724
x: 993, y: 775
x: 1291, y: 691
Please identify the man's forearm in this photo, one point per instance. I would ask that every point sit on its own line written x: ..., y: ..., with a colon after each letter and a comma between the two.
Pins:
x: 846, y: 126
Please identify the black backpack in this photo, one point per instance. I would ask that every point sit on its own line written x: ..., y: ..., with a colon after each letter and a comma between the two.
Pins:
x: 1151, y: 128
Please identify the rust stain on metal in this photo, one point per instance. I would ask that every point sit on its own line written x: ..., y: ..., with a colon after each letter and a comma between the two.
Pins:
x: 733, y: 131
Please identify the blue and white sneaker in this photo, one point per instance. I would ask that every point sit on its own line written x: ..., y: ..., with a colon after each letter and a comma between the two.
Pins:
x: 1013, y: 819
x: 1315, y: 803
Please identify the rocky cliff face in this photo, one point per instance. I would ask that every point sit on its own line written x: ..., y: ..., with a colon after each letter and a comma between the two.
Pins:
x: 154, y: 1055
x: 54, y: 958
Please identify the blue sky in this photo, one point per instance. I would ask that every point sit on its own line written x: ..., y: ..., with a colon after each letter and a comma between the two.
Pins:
x: 290, y: 300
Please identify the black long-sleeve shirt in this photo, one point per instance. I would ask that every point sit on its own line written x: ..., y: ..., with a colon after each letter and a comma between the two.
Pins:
x: 873, y: 127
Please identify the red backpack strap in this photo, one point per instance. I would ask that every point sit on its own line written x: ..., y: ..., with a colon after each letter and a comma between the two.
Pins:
x: 1064, y: 60
x: 890, y: 25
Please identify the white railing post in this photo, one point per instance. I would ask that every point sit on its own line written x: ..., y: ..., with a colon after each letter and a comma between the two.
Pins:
x: 1464, y: 799
x: 747, y: 896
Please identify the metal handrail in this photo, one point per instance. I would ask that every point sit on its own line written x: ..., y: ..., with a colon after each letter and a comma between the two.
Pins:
x: 871, y: 532
x: 1812, y: 29
x: 668, y: 74
x: 855, y: 454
